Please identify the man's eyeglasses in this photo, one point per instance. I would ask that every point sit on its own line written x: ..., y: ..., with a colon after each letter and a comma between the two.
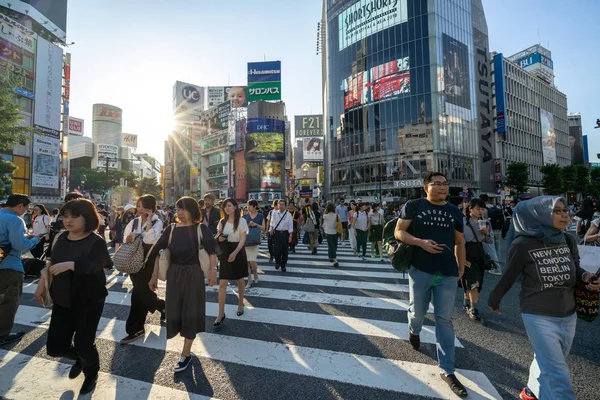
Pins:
x: 439, y: 184
x: 560, y: 211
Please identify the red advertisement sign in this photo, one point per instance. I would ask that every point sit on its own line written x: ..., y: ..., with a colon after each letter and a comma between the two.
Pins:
x: 355, y: 91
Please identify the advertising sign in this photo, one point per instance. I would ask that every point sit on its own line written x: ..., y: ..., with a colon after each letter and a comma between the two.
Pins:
x: 223, y: 111
x: 457, y: 89
x: 107, y: 112
x: 17, y: 34
x: 215, y: 95
x: 270, y: 174
x: 390, y: 79
x: 48, y: 85
x: 11, y: 52
x: 548, y: 137
x: 312, y: 149
x: 209, y: 122
x: 308, y: 126
x: 240, y: 134
x: 265, y: 138
x: 213, y: 144
x: 576, y: 145
x: 500, y: 93
x: 265, y: 71
x: 355, y: 90
x: 188, y: 98
x: 268, y: 91
x: 129, y: 140
x: 367, y: 17
x: 75, y: 126
x: 46, y: 159
x: 535, y: 58
x: 107, y: 151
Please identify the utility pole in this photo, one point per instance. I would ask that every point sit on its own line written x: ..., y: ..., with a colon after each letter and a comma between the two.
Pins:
x: 106, y: 176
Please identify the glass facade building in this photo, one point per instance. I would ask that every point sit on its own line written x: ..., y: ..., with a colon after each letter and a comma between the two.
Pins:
x: 400, y: 96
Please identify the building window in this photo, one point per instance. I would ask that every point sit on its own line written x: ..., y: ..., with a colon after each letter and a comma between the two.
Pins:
x: 27, y: 62
x: 25, y: 104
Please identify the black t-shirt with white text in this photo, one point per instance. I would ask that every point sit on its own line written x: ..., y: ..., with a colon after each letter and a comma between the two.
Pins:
x: 436, y: 223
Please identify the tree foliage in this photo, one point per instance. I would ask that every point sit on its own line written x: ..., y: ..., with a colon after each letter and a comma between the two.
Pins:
x: 552, y: 179
x: 569, y: 176
x: 517, y: 176
x: 582, y: 180
x: 95, y: 179
x: 11, y: 131
x: 150, y: 186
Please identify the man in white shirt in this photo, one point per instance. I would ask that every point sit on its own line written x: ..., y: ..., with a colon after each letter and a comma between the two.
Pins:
x: 281, y: 228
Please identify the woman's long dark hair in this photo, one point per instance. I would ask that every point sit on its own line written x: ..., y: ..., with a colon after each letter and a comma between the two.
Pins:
x: 472, y: 204
x: 236, y: 214
x: 587, y: 209
x: 43, y: 210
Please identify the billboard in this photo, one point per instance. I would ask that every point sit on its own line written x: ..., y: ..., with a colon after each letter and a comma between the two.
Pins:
x: 390, y: 79
x: 548, y: 137
x: 500, y: 93
x: 45, y: 170
x: 355, y: 90
x: 75, y: 126
x: 129, y: 140
x: 265, y: 71
x: 188, y: 98
x: 270, y: 174
x: 218, y: 94
x: 367, y: 17
x: 17, y: 34
x: 107, y: 151
x: 457, y: 89
x: 223, y: 112
x: 265, y: 138
x: 268, y: 91
x: 106, y: 112
x: 308, y: 126
x: 48, y: 85
x: 312, y: 149
x: 535, y: 58
x: 576, y: 145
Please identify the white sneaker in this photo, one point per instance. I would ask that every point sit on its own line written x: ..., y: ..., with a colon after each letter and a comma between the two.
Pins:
x: 495, y: 271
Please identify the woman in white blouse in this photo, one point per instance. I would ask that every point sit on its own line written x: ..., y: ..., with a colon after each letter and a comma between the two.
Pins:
x: 143, y: 300
x: 329, y: 225
x: 41, y: 228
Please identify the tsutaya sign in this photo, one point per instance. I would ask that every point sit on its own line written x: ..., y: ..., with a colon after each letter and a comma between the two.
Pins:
x: 367, y: 17
x: 410, y: 183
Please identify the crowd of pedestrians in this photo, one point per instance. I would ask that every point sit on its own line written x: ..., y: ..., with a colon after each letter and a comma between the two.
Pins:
x: 207, y: 243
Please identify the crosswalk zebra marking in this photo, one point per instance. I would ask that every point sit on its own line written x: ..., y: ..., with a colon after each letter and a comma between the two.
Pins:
x: 40, y: 379
x: 375, y: 372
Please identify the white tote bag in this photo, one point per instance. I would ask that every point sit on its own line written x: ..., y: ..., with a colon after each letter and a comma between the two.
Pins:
x: 589, y: 258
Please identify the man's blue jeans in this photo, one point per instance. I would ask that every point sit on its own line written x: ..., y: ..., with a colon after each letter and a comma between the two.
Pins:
x: 551, y: 339
x: 441, y: 290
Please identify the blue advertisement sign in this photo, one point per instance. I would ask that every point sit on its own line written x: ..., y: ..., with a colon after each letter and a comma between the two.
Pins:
x: 24, y: 93
x: 500, y: 93
x: 265, y: 138
x: 266, y: 71
x: 586, y: 157
x: 535, y: 59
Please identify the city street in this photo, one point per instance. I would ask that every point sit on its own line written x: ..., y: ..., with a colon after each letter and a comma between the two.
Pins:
x: 314, y: 332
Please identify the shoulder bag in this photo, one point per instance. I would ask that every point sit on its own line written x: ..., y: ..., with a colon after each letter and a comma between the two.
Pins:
x: 338, y: 225
x: 129, y: 258
x: 45, y: 273
x: 281, y: 219
x: 587, y: 302
x: 203, y: 256
x: 164, y: 257
x: 254, y: 233
x: 400, y: 253
x: 488, y: 262
x: 309, y: 224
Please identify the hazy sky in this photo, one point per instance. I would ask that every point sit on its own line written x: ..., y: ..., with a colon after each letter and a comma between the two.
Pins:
x: 129, y: 53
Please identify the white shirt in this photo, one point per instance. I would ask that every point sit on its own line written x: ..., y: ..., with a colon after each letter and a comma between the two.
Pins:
x: 330, y: 223
x: 234, y: 236
x: 362, y: 220
x: 149, y: 237
x: 286, y: 225
x: 41, y: 225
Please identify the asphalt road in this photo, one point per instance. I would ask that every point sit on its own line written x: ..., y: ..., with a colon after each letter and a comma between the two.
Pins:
x: 314, y: 332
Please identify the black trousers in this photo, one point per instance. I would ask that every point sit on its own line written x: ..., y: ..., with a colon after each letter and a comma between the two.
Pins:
x: 271, y: 241
x: 11, y: 288
x: 72, y: 334
x: 38, y: 250
x: 281, y: 247
x: 143, y: 300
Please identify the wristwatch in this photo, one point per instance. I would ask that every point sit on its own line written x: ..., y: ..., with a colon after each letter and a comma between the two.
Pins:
x: 214, y: 268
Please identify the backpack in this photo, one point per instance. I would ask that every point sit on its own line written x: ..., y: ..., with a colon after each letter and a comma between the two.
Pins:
x: 496, y: 216
x: 584, y: 227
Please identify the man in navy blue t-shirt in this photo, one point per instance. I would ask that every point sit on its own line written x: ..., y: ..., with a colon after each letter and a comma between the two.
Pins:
x: 438, y: 261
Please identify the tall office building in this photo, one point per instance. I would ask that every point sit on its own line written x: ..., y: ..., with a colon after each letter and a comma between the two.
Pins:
x: 401, y: 96
x: 31, y: 34
x: 531, y: 115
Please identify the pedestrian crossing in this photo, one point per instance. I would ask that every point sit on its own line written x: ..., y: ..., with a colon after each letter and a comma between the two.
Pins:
x: 314, y: 332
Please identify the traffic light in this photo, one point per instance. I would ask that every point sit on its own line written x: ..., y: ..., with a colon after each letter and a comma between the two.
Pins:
x: 376, y: 197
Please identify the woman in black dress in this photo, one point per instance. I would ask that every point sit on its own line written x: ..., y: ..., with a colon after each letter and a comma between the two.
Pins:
x: 119, y: 227
x: 186, y: 297
x: 232, y: 232
x: 78, y: 290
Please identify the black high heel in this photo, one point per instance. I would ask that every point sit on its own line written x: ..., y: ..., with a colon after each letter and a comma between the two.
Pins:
x: 240, y: 313
x: 218, y: 323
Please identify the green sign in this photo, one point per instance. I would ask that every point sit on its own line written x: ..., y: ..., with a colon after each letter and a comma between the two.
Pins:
x: 264, y: 91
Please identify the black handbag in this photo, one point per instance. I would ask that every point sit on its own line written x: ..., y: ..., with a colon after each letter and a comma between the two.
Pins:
x: 488, y: 262
x: 399, y: 253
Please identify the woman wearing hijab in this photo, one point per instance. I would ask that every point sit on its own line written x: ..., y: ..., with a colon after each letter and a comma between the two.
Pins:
x: 548, y: 260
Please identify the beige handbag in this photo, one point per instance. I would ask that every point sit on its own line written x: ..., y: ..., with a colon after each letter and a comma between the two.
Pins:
x: 47, y: 276
x: 164, y: 258
x: 203, y: 256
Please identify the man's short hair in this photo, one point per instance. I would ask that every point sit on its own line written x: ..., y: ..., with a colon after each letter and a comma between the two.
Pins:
x: 484, y: 197
x: 16, y: 199
x: 209, y: 196
x: 429, y: 177
x: 72, y: 196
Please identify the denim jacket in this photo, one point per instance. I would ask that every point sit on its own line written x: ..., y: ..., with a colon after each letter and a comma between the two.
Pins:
x: 12, y: 231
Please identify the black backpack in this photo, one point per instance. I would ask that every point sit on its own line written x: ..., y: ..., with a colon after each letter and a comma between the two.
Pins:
x: 496, y: 217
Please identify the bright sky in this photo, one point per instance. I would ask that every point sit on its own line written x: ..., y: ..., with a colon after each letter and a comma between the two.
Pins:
x: 129, y: 53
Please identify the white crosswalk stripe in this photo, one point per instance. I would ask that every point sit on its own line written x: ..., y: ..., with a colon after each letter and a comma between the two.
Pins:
x: 314, y: 322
